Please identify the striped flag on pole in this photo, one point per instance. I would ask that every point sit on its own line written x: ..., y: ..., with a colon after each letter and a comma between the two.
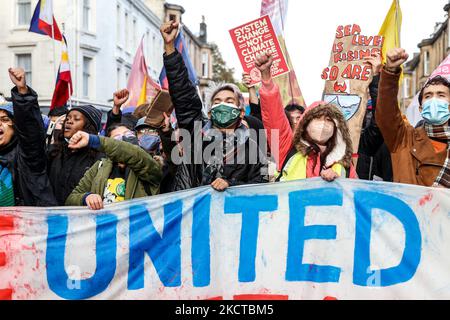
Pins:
x: 63, y: 88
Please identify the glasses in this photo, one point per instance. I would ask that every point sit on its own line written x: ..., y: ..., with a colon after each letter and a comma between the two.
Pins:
x: 147, y: 131
x: 128, y: 134
x: 6, y: 120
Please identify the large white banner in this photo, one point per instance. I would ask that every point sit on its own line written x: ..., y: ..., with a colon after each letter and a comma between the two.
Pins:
x: 302, y: 240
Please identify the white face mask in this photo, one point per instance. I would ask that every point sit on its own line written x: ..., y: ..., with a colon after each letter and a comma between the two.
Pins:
x: 320, y: 131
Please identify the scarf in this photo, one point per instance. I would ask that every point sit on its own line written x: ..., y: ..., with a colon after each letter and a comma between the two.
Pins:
x: 441, y: 132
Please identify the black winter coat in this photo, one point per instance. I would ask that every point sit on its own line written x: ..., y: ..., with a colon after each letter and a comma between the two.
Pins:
x: 25, y: 156
x: 372, y: 160
x: 188, y: 109
x: 67, y: 168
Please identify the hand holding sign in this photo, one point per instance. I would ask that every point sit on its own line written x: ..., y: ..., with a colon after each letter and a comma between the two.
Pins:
x: 264, y: 63
x: 395, y: 58
x: 169, y: 32
x: 376, y: 62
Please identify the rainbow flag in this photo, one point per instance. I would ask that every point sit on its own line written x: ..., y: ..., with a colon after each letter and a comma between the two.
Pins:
x: 43, y: 21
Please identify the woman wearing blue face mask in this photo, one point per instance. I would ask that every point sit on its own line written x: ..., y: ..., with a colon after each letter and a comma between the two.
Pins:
x: 420, y: 156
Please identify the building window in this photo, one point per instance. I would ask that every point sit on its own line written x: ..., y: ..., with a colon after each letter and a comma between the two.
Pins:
x: 24, y: 61
x: 127, y: 75
x: 205, y: 65
x: 87, y: 65
x: 24, y: 12
x: 119, y: 26
x: 426, y: 64
x: 172, y: 17
x: 406, y: 87
x: 119, y: 73
x: 86, y: 14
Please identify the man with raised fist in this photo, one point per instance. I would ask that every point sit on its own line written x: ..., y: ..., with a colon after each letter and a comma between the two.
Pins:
x: 23, y: 166
x: 420, y: 156
x: 222, y: 141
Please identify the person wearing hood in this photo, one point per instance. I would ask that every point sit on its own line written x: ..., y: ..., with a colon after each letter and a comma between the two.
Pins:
x: 420, y: 156
x: 23, y: 169
x: 127, y: 172
x: 321, y: 145
x: 67, y: 166
x: 225, y: 143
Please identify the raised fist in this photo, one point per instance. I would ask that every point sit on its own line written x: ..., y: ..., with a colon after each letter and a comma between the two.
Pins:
x: 169, y: 31
x: 247, y: 80
x: 263, y: 63
x: 17, y: 76
x: 120, y: 97
x: 395, y: 58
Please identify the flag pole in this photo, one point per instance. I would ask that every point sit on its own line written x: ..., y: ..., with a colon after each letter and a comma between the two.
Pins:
x: 70, y: 96
x: 397, y: 36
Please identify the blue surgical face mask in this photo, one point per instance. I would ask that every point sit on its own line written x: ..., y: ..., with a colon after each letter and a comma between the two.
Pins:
x: 150, y: 143
x: 435, y: 111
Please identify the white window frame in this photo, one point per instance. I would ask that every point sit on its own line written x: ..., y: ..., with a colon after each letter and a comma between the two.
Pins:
x: 17, y: 18
x: 406, y: 88
x: 87, y: 95
x: 28, y: 72
x: 86, y: 17
x: 205, y: 65
x: 426, y: 63
x: 127, y: 30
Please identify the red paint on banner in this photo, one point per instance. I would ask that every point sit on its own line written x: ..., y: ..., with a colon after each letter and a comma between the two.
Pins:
x: 425, y: 199
x: 261, y: 297
x: 6, y: 294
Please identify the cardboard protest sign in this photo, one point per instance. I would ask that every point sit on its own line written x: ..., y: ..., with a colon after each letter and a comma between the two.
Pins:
x: 348, y: 77
x: 255, y: 38
x: 160, y: 105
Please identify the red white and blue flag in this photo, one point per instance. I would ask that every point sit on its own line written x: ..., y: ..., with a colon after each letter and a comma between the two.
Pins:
x: 43, y: 21
x: 180, y: 45
x: 63, y: 88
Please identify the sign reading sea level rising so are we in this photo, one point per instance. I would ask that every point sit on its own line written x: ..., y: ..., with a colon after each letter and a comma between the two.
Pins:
x: 256, y: 38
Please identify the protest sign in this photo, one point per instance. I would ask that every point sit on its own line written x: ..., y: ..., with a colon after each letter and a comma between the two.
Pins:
x: 300, y: 240
x: 348, y: 77
x: 160, y: 105
x: 256, y: 38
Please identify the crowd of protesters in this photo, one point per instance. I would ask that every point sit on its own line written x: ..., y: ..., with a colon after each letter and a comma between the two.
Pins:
x: 68, y: 159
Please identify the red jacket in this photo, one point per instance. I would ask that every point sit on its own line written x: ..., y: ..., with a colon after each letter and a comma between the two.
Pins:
x: 274, y: 117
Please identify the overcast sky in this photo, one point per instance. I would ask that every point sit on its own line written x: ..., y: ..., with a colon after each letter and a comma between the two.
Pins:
x: 310, y: 28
